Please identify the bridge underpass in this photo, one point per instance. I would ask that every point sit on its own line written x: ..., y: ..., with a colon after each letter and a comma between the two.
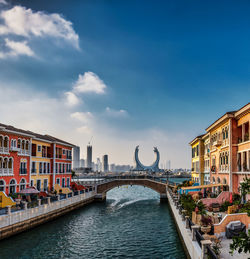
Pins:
x: 103, y: 187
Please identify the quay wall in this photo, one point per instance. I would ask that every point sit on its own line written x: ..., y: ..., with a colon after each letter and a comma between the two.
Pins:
x: 23, y: 220
x: 192, y: 247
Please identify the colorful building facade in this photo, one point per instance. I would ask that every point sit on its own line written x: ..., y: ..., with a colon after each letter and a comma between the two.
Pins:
x: 197, y: 159
x: 227, y: 149
x: 30, y: 159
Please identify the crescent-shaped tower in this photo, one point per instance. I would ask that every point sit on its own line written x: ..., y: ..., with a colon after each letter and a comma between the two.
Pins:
x: 140, y: 167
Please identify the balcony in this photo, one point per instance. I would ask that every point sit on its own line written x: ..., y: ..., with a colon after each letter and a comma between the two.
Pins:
x: 4, y: 150
x: 217, y: 143
x: 14, y: 149
x: 24, y: 152
x: 33, y: 171
x: 23, y: 171
x: 6, y: 171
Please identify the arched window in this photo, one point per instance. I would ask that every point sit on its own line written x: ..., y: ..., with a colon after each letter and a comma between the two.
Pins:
x: 6, y: 142
x: 1, y: 163
x: 10, y: 163
x: 27, y: 145
x: 13, y: 186
x: 19, y: 143
x: 213, y: 180
x: 218, y: 180
x: 1, y: 140
x: 2, y: 186
x: 5, y: 162
x: 22, y: 184
x: 23, y: 144
x: 224, y: 181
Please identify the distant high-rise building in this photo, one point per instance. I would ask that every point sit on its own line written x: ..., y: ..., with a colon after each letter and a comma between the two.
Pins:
x: 99, y: 164
x: 105, y: 163
x: 82, y: 163
x: 76, y: 157
x: 89, y: 156
x: 112, y: 168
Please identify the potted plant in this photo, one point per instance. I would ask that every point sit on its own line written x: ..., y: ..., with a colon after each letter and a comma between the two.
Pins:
x: 206, y: 224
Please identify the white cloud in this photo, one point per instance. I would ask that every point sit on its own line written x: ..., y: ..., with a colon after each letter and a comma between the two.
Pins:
x: 19, y: 21
x: 71, y: 99
x: 16, y: 48
x: 3, y: 2
x: 116, y: 113
x: 89, y: 83
x: 82, y: 116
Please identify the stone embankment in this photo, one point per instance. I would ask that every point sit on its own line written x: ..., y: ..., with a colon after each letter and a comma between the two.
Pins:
x: 15, y: 222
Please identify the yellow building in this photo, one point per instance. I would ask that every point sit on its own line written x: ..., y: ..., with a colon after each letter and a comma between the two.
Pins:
x: 197, y: 159
x: 205, y: 174
x: 41, y: 160
x: 219, y: 133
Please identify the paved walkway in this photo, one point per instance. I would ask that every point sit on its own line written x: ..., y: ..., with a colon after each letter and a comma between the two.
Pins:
x: 225, y: 251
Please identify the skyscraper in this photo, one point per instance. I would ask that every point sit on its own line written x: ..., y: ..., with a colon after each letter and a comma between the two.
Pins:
x: 82, y: 163
x: 105, y: 164
x: 89, y: 156
x: 76, y: 157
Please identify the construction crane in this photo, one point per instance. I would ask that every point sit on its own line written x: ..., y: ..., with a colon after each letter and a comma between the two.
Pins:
x: 90, y: 140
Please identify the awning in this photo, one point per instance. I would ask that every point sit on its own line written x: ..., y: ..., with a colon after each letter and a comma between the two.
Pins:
x: 31, y: 190
x: 203, y: 186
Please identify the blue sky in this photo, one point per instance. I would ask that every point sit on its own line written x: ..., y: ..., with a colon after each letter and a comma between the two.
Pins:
x: 153, y: 73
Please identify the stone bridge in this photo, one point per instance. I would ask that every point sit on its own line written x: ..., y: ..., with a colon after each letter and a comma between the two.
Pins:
x: 103, y: 188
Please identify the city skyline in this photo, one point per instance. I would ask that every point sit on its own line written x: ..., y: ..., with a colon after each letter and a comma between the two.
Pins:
x: 128, y: 78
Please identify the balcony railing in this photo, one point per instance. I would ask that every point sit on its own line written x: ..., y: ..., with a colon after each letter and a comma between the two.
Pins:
x: 33, y: 171
x: 6, y: 171
x: 23, y: 171
x: 14, y: 149
x: 4, y: 150
x: 69, y: 157
x: 217, y: 142
x: 24, y: 152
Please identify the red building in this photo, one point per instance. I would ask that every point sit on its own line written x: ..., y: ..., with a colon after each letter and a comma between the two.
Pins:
x: 15, y: 151
x: 15, y: 159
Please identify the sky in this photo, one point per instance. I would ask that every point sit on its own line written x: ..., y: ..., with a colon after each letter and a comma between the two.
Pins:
x: 124, y: 73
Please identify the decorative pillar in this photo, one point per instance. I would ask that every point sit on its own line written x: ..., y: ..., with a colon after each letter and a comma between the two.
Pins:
x: 194, y: 229
x: 49, y: 200
x: 39, y: 202
x: 204, y: 245
x: 25, y: 205
x: 8, y: 210
x: 58, y: 197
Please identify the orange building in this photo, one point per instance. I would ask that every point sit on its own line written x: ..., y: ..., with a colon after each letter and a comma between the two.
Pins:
x: 229, y: 152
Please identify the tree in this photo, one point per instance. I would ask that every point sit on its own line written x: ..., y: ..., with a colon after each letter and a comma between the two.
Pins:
x: 241, y: 243
x: 245, y: 188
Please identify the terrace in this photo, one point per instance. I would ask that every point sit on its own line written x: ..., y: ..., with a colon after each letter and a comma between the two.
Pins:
x: 211, y: 217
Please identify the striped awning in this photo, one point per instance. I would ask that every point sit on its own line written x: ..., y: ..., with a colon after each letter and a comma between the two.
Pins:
x: 203, y: 186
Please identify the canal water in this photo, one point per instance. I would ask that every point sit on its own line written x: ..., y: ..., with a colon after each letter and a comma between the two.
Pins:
x: 131, y: 224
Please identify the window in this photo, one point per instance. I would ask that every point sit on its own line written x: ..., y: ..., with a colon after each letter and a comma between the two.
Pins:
x: 33, y: 168
x: 40, y: 168
x: 48, y: 168
x: 58, y: 181
x: 22, y: 184
x: 31, y: 182
x: 39, y: 148
x: 68, y: 182
x: 2, y: 186
x: 64, y: 151
x: 12, y: 186
x: 56, y: 168
x: 63, y: 182
x: 38, y: 185
x: 45, y: 185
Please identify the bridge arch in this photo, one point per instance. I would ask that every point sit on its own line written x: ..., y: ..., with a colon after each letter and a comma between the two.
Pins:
x: 103, y: 188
